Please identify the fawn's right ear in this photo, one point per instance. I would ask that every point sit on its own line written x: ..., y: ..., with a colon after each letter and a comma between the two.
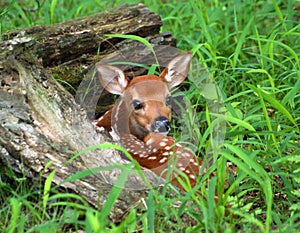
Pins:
x: 177, y: 69
x: 112, y: 78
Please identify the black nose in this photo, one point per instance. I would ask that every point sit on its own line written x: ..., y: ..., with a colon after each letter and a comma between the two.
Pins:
x: 160, y: 125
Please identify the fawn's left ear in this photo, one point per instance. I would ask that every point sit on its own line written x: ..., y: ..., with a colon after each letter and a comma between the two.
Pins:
x: 112, y: 78
x: 177, y: 69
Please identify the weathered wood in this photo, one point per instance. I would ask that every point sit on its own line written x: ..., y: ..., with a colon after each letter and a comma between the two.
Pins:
x: 42, y: 127
x: 66, y: 41
x: 41, y: 123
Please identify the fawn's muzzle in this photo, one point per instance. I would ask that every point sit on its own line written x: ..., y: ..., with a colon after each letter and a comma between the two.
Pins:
x: 160, y: 125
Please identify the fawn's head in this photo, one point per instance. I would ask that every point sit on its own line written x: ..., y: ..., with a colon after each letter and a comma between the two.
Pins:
x: 145, y: 104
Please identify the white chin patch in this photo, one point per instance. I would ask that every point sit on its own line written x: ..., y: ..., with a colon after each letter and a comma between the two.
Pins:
x: 163, y: 133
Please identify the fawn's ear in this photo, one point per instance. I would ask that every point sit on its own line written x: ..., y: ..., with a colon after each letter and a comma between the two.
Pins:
x: 177, y: 69
x: 112, y: 78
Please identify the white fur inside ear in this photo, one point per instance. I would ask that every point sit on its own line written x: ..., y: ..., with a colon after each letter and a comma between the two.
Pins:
x: 122, y: 79
x: 177, y: 69
x: 112, y: 78
x: 169, y: 75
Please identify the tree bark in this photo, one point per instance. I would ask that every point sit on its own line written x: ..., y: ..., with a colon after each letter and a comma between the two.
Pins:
x: 69, y: 40
x: 41, y: 125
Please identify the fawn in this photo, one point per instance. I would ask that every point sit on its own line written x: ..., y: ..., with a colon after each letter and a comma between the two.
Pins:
x: 141, y: 118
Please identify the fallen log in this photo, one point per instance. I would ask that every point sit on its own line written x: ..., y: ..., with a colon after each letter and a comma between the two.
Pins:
x: 62, y: 42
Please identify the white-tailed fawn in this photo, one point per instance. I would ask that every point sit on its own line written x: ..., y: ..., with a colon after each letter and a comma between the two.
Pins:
x: 141, y: 119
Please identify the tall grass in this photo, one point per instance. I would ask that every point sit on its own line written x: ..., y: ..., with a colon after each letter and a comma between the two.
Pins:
x: 252, y: 50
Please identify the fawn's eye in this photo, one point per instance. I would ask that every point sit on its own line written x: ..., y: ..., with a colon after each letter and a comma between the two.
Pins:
x: 169, y: 100
x: 137, y: 104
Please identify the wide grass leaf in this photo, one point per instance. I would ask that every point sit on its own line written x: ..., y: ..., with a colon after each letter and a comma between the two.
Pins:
x: 47, y: 189
x: 274, y: 103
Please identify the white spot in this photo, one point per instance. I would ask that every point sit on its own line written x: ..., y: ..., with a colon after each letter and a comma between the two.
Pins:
x: 154, y: 150
x: 148, y: 150
x: 186, y: 154
x: 165, y: 139
x: 142, y: 155
x: 162, y: 144
x: 167, y: 148
x: 150, y: 141
x: 152, y: 158
x: 196, y: 164
x: 178, y: 145
x: 187, y: 172
x: 164, y: 159
x: 182, y: 168
x: 192, y: 176
x: 166, y: 153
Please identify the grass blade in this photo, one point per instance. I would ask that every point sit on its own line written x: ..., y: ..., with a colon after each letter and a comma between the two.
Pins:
x: 114, y: 194
x: 150, y: 211
x: 136, y: 38
x: 52, y: 11
x: 47, y: 189
x: 275, y: 104
x: 16, y: 208
x: 290, y: 96
x: 241, y: 41
x: 262, y: 71
x: 238, y: 122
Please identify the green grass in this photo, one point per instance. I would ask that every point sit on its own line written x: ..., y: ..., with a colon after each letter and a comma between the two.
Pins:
x: 252, y: 50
